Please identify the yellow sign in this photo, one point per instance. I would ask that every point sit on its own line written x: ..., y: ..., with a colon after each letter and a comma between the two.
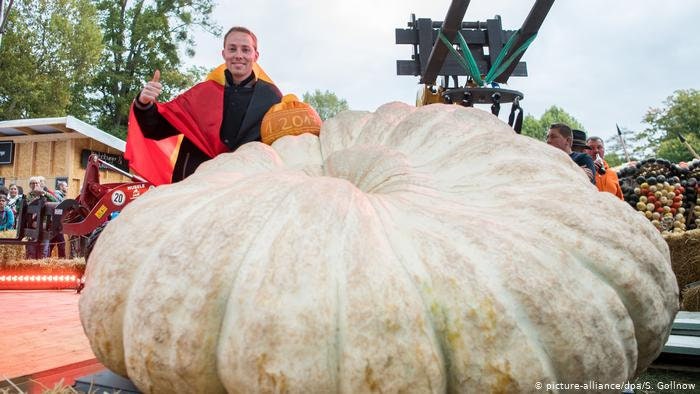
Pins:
x: 100, y: 212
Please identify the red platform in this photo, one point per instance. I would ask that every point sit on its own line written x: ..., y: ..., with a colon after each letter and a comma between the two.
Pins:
x: 41, y: 340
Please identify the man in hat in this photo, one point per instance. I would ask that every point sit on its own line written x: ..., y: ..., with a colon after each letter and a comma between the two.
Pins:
x: 605, y: 179
x: 578, y: 144
x: 561, y: 136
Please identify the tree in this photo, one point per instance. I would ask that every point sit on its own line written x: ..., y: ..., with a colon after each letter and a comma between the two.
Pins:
x: 48, y: 53
x: 537, y: 128
x: 327, y: 104
x: 681, y: 114
x: 675, y: 151
x: 141, y: 36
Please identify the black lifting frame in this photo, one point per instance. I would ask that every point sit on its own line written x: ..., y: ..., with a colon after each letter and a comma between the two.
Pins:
x: 432, y: 57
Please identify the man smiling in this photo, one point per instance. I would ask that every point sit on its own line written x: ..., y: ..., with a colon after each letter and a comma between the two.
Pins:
x: 212, y: 118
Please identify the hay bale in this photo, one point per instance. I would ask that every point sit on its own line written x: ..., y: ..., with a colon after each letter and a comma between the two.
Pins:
x: 11, y: 252
x: 19, y: 252
x: 691, y: 298
x: 685, y: 256
x: 44, y: 265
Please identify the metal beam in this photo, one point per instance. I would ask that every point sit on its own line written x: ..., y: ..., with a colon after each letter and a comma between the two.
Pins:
x: 451, y: 67
x: 452, y: 23
x: 530, y: 26
x: 4, y: 14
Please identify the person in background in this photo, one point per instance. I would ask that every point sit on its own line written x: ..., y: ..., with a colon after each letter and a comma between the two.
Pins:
x: 605, y: 178
x: 7, y: 217
x: 560, y: 136
x: 14, y: 201
x: 59, y: 240
x: 36, y: 191
x: 42, y: 180
x: 578, y: 142
x: 13, y: 197
x: 61, y: 190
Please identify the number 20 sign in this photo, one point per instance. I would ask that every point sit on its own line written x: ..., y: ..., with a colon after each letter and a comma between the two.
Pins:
x: 118, y: 198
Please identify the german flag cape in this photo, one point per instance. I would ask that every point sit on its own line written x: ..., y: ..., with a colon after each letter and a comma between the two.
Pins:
x: 196, y: 114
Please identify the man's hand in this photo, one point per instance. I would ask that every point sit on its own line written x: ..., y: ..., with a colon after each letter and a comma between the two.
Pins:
x: 598, y: 164
x: 150, y: 92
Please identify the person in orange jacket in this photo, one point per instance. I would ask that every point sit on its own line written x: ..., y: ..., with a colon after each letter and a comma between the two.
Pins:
x: 605, y: 179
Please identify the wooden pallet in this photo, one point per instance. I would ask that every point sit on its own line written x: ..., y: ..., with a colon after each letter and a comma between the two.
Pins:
x: 685, y: 334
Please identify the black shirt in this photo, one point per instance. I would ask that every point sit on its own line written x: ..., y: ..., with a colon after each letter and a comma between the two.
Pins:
x: 238, y: 127
x: 236, y: 102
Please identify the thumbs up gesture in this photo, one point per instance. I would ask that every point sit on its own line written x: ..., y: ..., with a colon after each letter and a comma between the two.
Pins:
x: 150, y: 92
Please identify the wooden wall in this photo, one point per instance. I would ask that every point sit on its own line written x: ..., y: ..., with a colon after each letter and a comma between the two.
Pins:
x: 55, y: 158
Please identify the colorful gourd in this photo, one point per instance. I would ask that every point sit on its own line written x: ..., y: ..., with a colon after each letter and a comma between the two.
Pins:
x: 412, y: 249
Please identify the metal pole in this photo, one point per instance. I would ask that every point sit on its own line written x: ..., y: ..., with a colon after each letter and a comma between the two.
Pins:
x: 2, y: 20
x: 687, y: 145
x: 133, y: 177
x: 530, y: 26
x: 452, y: 23
x: 622, y: 142
x: 4, y: 13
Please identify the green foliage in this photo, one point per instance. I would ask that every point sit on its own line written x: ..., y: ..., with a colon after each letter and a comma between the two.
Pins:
x: 140, y: 37
x: 613, y: 159
x: 327, y: 104
x: 47, y: 57
x: 681, y: 114
x: 533, y: 128
x: 537, y: 128
x: 675, y: 151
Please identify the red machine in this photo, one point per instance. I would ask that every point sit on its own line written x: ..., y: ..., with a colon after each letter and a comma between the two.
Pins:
x: 86, y: 216
x: 83, y: 218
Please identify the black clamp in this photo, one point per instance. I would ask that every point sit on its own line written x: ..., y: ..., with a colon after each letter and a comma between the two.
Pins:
x: 495, y: 103
x: 516, y: 121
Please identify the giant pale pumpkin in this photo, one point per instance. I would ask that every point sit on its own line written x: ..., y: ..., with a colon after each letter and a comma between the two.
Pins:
x: 413, y: 250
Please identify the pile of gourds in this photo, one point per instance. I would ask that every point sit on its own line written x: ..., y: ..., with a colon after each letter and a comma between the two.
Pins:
x: 666, y: 193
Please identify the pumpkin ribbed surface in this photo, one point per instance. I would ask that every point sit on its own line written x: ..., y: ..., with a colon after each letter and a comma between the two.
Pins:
x: 412, y: 249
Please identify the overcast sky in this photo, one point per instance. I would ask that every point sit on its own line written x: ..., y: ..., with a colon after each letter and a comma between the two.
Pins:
x: 604, y: 62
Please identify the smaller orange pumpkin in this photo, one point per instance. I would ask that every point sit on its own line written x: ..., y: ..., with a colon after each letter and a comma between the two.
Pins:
x: 289, y: 117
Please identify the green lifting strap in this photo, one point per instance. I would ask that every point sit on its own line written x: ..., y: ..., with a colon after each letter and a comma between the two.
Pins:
x: 476, y: 75
x: 497, y: 68
x: 469, y: 63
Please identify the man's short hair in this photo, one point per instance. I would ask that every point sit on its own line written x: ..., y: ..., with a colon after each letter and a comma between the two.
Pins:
x: 596, y: 139
x: 3, y: 197
x: 245, y: 30
x: 563, y: 129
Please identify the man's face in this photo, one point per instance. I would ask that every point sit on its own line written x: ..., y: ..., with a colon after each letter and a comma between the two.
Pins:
x: 558, y: 141
x: 596, y: 148
x: 239, y: 55
x: 63, y: 187
x: 3, y: 201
